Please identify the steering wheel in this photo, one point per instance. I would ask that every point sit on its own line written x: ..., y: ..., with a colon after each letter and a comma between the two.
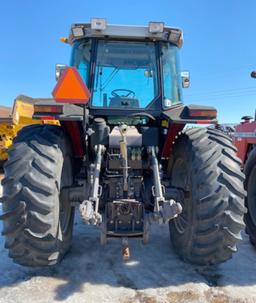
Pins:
x: 115, y: 93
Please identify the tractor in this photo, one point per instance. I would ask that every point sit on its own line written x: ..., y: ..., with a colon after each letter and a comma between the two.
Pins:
x: 124, y: 154
x: 245, y: 141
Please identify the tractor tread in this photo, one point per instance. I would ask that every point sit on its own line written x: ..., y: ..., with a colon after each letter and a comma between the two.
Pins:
x: 250, y: 216
x: 218, y: 205
x: 31, y: 193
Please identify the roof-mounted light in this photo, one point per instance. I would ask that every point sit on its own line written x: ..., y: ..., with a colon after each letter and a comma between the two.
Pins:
x: 156, y: 27
x: 98, y: 24
x: 175, y: 36
x: 77, y: 31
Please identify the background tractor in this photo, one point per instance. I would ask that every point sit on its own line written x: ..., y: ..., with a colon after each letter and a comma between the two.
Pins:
x: 15, y: 118
x: 122, y: 154
x: 245, y: 141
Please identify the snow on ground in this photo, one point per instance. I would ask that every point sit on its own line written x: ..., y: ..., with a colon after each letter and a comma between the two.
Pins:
x: 92, y: 273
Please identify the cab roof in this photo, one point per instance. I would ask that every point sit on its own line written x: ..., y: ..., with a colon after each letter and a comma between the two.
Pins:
x: 98, y: 28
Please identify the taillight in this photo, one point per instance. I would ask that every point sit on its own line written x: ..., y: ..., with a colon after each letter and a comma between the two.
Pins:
x: 49, y: 109
x: 193, y: 113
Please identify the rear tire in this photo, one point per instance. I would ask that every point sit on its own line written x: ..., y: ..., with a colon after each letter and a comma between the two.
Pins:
x: 250, y: 200
x: 204, y: 163
x: 38, y: 218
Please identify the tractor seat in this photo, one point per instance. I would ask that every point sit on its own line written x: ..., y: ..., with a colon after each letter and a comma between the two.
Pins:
x: 123, y: 102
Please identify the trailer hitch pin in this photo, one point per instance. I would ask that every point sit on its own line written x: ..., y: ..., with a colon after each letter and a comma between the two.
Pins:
x: 125, y: 249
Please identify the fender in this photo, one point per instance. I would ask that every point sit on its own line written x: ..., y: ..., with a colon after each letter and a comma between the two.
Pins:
x: 180, y: 115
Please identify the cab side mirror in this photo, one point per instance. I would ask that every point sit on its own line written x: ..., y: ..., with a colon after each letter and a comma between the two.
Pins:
x: 185, y: 78
x: 59, y: 69
x: 148, y: 73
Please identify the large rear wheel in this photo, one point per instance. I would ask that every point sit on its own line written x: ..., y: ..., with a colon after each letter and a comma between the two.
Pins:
x: 38, y: 218
x: 204, y: 164
x: 250, y: 201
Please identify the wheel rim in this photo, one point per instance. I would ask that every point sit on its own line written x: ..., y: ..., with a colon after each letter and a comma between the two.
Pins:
x: 180, y: 179
x: 251, y: 195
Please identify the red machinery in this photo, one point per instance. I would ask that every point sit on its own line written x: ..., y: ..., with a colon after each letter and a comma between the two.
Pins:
x: 245, y: 137
x: 245, y: 141
x: 123, y: 154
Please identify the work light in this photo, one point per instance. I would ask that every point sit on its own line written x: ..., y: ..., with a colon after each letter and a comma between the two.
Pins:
x: 175, y: 36
x: 98, y: 24
x: 156, y: 27
x: 77, y: 31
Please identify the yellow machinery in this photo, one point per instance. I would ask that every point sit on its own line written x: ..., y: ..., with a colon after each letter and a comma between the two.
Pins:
x: 12, y: 120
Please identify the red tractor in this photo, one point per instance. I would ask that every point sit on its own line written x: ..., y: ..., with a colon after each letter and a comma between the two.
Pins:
x: 245, y: 141
x: 123, y: 154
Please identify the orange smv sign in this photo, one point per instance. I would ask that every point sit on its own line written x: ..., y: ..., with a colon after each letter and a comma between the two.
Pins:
x: 71, y: 88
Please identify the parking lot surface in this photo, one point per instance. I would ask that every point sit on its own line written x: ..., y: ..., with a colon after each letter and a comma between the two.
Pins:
x: 92, y: 273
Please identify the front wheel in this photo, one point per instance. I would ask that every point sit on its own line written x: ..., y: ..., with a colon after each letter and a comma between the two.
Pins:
x: 204, y: 164
x: 38, y: 218
x: 250, y: 201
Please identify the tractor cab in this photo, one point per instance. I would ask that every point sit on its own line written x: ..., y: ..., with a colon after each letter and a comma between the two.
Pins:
x: 132, y: 73
x: 128, y: 69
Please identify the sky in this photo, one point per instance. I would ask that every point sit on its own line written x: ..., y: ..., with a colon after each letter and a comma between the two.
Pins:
x: 219, y: 47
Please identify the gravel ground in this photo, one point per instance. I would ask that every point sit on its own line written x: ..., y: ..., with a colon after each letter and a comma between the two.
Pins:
x: 91, y: 273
